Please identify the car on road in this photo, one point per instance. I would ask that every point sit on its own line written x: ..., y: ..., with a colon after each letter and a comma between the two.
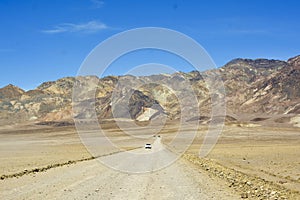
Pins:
x: 148, y: 146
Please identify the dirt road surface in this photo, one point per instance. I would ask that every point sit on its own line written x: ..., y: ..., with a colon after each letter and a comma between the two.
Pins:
x: 93, y: 180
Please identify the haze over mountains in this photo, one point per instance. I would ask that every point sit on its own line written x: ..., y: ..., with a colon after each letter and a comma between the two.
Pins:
x: 256, y: 90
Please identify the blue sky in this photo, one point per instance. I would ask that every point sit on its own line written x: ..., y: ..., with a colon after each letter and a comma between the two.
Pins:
x: 46, y: 40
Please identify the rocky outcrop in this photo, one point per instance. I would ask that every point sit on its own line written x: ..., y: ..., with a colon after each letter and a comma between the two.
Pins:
x: 275, y: 93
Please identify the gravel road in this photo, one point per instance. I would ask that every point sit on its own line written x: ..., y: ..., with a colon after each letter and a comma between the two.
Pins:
x: 93, y: 180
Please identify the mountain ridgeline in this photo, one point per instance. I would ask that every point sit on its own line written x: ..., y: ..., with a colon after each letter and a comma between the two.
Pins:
x: 254, y: 90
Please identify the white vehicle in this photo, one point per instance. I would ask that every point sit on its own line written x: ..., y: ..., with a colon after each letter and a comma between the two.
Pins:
x: 148, y: 146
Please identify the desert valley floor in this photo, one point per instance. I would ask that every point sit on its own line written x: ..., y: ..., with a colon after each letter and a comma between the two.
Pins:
x: 247, y: 162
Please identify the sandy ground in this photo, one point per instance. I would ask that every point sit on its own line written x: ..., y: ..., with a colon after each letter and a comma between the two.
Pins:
x: 38, y: 147
x: 91, y: 180
x: 270, y: 153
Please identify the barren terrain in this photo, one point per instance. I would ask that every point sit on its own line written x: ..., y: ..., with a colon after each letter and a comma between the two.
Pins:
x: 51, y: 162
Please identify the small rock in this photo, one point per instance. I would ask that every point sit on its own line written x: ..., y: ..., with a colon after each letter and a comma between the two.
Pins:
x: 282, y: 181
x: 244, y: 196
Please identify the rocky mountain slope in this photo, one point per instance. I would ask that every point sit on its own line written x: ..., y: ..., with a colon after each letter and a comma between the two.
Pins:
x: 258, y: 87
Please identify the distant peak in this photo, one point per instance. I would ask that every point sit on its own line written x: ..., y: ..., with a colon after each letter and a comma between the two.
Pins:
x: 11, y: 92
x: 294, y: 60
x: 11, y: 86
x: 257, y: 63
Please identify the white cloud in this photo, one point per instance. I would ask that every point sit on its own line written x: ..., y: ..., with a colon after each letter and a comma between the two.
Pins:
x: 97, y: 3
x: 89, y: 27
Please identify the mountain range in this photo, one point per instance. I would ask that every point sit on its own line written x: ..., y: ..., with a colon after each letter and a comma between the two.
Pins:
x: 256, y: 91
